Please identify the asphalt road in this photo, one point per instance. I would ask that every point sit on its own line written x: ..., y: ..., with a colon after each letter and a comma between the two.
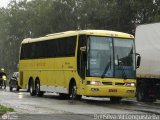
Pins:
x: 51, y: 107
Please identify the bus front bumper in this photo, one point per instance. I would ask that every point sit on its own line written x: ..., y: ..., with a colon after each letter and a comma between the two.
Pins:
x: 109, y: 91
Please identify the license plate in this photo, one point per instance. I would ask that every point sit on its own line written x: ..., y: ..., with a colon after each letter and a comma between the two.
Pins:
x: 112, y: 90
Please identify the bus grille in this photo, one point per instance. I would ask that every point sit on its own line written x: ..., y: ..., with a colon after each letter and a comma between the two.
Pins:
x: 120, y: 84
x: 107, y: 83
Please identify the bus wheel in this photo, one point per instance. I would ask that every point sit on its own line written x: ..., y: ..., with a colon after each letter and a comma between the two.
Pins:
x: 115, y: 99
x: 38, y: 92
x: 73, y: 92
x: 31, y: 88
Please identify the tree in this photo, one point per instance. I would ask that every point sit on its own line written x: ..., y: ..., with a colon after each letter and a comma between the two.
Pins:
x: 40, y: 17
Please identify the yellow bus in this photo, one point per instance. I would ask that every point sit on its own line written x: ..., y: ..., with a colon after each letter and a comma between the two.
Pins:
x: 97, y: 63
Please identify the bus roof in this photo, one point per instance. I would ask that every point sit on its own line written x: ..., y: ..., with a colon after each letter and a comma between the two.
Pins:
x: 79, y: 32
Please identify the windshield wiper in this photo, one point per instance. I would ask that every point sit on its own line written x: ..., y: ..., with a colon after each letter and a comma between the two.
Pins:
x: 120, y: 64
x: 106, y: 68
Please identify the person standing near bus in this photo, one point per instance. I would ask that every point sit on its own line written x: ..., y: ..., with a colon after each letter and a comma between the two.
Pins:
x: 3, y: 78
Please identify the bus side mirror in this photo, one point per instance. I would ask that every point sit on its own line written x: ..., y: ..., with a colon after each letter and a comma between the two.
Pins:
x: 138, y: 60
x: 83, y: 49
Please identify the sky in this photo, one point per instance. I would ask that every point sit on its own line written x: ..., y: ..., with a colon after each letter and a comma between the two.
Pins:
x: 4, y: 3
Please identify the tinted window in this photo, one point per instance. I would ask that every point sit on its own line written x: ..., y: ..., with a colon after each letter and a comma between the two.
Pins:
x: 62, y: 47
x: 81, y: 43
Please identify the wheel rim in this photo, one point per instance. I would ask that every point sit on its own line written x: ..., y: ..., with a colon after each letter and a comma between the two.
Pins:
x: 37, y: 88
x: 31, y: 89
x: 73, y: 95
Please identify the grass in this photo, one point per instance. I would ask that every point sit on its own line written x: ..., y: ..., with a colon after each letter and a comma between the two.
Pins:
x: 4, y: 109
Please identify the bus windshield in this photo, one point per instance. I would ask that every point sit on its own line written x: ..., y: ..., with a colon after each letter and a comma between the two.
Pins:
x: 124, y: 58
x: 100, y: 56
x: 110, y: 57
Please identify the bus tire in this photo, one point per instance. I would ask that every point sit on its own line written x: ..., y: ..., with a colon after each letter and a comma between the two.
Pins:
x: 73, y: 92
x: 115, y: 99
x: 39, y: 93
x: 31, y: 88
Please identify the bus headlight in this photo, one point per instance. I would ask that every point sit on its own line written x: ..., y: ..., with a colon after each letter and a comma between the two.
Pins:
x: 130, y: 84
x: 4, y: 77
x: 94, y: 83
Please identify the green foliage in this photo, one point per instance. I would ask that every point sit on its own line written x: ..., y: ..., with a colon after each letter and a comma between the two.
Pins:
x: 40, y: 17
x: 145, y: 10
x: 4, y: 109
